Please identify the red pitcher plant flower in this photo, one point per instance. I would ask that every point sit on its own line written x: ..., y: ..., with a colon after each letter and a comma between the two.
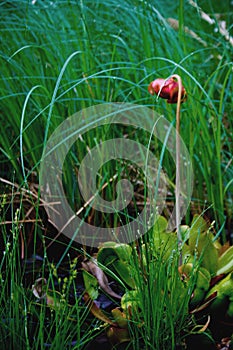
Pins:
x: 173, y: 91
x: 168, y: 89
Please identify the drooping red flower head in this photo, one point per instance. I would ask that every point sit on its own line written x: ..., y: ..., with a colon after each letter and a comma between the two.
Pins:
x: 168, y: 89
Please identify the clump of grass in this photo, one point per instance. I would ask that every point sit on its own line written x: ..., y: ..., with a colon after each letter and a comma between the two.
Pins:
x: 163, y: 319
x: 30, y: 320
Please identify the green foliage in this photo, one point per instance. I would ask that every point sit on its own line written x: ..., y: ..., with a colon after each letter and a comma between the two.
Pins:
x: 116, y: 257
x: 200, y: 243
x: 91, y: 284
x: 225, y: 262
x: 62, y: 56
x: 32, y: 317
x: 156, y: 301
x: 222, y: 305
x: 163, y: 294
x: 58, y: 57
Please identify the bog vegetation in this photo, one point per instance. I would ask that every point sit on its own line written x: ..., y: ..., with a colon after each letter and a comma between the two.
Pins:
x: 57, y: 58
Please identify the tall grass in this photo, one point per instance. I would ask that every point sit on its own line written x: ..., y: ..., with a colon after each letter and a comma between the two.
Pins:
x: 27, y: 321
x: 59, y: 57
x: 162, y: 320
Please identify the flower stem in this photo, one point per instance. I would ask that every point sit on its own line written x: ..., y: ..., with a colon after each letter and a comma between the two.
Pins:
x: 177, y: 192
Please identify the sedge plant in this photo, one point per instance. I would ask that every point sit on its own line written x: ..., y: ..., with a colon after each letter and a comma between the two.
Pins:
x: 33, y: 318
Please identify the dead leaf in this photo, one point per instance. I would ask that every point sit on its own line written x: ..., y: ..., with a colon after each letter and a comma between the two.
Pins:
x: 96, y: 311
x: 118, y: 335
x: 206, y: 303
x: 204, y: 328
x: 92, y: 267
